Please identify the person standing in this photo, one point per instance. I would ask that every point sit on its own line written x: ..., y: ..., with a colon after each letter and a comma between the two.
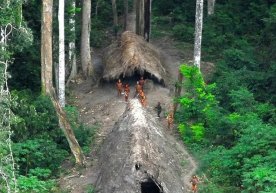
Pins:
x: 119, y: 86
x: 126, y: 91
x: 142, y: 82
x: 194, y: 181
x: 158, y: 109
x: 138, y: 87
x: 142, y: 98
x: 170, y: 120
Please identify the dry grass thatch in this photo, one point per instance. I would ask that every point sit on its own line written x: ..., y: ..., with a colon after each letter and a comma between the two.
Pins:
x: 138, y: 150
x: 130, y: 54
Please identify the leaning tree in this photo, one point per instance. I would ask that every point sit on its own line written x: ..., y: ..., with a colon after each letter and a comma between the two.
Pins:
x: 47, y: 82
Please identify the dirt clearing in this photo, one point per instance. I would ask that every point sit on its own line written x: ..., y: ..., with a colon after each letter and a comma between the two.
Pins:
x: 100, y: 105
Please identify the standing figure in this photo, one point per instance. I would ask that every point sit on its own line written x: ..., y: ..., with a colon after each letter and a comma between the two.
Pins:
x: 142, y: 82
x: 194, y: 182
x: 158, y: 109
x: 127, y: 91
x: 119, y: 86
x: 138, y: 87
x: 170, y: 120
x: 142, y: 98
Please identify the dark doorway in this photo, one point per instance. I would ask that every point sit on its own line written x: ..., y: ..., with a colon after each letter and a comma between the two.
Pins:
x: 136, y: 77
x: 150, y: 187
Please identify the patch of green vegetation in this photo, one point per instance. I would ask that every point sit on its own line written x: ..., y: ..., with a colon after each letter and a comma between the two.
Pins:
x: 90, y: 189
x: 237, y: 142
x: 159, y: 27
x: 183, y: 163
x: 39, y: 145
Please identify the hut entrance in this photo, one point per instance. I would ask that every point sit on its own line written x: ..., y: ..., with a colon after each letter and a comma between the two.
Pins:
x: 150, y: 187
x: 136, y: 77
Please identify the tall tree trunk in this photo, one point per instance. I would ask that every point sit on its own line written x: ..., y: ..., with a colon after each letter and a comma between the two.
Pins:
x: 147, y: 19
x: 61, y: 56
x: 86, y: 61
x: 46, y: 46
x: 198, y: 32
x: 140, y: 19
x: 96, y: 7
x: 46, y: 77
x: 115, y: 17
x: 125, y: 14
x: 72, y: 44
x: 211, y: 6
x: 137, y: 19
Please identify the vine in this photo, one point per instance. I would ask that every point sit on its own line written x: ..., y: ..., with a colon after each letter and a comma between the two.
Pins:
x: 10, y: 19
x: 7, y: 165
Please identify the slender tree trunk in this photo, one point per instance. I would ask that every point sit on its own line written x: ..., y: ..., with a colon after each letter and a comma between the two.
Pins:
x: 140, y: 18
x: 86, y: 60
x: 125, y: 14
x: 147, y: 19
x: 61, y: 64
x: 47, y: 84
x: 56, y: 79
x: 137, y: 10
x: 115, y: 17
x: 46, y: 46
x: 211, y: 7
x: 96, y: 8
x: 72, y: 44
x: 68, y: 131
x: 198, y: 32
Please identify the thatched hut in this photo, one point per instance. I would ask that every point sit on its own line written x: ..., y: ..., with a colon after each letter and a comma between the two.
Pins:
x: 138, y: 157
x: 131, y: 55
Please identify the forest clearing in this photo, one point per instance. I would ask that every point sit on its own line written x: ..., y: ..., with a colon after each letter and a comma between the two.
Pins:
x: 137, y: 96
x: 107, y: 108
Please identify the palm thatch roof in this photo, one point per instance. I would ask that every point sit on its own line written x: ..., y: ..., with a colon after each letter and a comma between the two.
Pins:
x: 138, y: 153
x: 132, y: 54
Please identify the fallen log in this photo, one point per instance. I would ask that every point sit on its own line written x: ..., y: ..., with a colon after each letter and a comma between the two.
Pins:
x: 138, y: 157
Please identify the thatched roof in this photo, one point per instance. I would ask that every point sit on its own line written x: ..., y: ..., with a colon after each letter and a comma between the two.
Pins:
x: 138, y: 152
x: 130, y: 54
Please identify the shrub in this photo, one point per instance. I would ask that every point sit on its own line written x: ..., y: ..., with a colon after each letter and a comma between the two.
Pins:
x: 196, y: 105
x: 35, y: 116
x: 183, y: 32
x: 83, y: 133
x: 31, y: 184
x: 38, y: 153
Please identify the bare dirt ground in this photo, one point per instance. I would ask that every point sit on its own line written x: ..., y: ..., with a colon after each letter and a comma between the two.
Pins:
x: 101, y: 106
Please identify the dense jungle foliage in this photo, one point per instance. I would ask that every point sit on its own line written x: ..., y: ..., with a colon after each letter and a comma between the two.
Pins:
x: 229, y: 123
x: 39, y: 146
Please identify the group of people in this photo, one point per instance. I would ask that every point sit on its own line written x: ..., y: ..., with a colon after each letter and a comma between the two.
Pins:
x: 139, y: 92
x: 125, y: 90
